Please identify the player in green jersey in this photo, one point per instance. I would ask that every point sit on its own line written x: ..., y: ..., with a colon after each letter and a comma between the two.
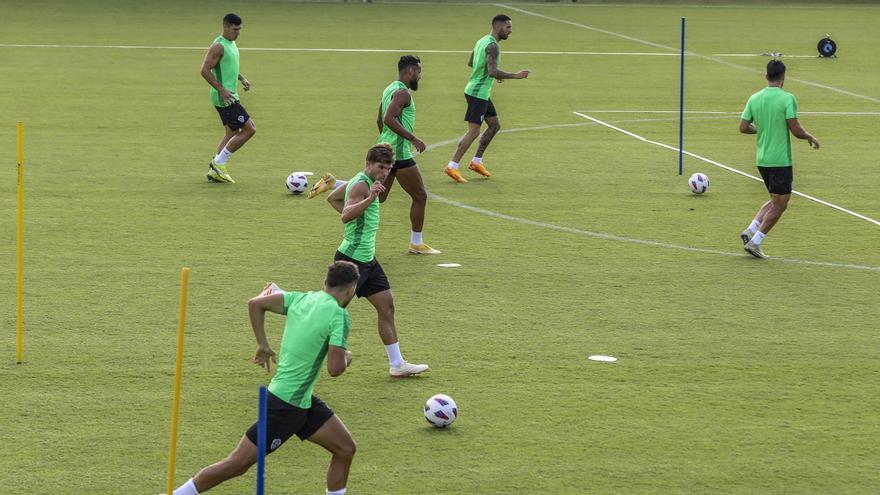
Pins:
x: 358, y: 202
x: 221, y: 70
x: 396, y: 120
x: 484, y: 62
x: 772, y: 114
x: 317, y: 327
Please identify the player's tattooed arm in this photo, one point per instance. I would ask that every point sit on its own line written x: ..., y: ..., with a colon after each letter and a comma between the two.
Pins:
x: 492, y: 65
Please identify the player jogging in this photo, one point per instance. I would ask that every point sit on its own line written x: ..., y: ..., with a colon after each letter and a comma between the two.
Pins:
x: 221, y: 70
x: 771, y: 114
x: 484, y: 60
x: 396, y: 120
x: 317, y: 328
x: 358, y: 202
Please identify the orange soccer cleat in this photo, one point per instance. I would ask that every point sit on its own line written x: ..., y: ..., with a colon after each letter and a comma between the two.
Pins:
x: 455, y: 175
x: 480, y: 169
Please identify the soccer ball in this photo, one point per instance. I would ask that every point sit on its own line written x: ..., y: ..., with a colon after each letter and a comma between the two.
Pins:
x: 440, y: 411
x: 297, y: 182
x: 699, y: 183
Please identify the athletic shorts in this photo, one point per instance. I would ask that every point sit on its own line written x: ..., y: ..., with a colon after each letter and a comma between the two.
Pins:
x: 399, y: 164
x: 777, y: 179
x: 284, y: 420
x: 234, y: 116
x: 373, y: 279
x: 478, y: 110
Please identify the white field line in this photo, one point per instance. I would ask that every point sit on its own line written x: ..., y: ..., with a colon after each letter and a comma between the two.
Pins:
x: 687, y: 52
x: 725, y: 167
x: 337, y: 50
x: 612, y: 237
x: 781, y: 55
x: 849, y: 114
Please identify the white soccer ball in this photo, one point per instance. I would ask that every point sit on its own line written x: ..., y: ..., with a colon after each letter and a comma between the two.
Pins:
x: 699, y: 183
x: 440, y: 411
x: 297, y: 182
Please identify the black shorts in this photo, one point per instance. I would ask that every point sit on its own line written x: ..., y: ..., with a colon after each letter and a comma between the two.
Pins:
x: 373, y: 279
x: 777, y: 179
x: 234, y: 116
x: 478, y: 110
x: 284, y: 420
x: 399, y: 164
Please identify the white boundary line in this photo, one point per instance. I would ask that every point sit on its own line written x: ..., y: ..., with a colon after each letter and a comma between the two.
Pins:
x: 725, y: 113
x: 612, y: 237
x: 687, y: 52
x: 725, y: 167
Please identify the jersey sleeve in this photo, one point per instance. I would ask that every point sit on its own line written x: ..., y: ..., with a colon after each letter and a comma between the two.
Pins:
x: 339, y: 328
x: 791, y: 108
x: 291, y: 298
x: 747, y: 112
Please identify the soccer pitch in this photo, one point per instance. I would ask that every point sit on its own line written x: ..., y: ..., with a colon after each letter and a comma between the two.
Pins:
x: 735, y: 375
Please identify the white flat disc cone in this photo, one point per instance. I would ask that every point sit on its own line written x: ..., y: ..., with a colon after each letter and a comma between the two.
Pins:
x: 603, y: 359
x: 449, y: 265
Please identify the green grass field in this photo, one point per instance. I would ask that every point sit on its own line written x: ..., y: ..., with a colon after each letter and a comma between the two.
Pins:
x: 735, y: 375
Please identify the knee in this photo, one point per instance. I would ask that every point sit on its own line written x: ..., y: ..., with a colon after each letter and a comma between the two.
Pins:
x: 495, y: 127
x: 387, y: 311
x: 236, y: 466
x: 419, y: 196
x: 347, y: 450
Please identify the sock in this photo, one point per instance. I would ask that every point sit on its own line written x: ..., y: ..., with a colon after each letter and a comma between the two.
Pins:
x: 341, y: 491
x: 757, y: 238
x: 416, y: 238
x: 453, y: 165
x: 753, y: 227
x: 222, y: 157
x: 339, y: 183
x: 394, y: 357
x: 188, y: 488
x: 477, y: 159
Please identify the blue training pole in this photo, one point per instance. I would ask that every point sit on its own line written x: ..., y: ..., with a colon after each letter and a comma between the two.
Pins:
x: 681, y: 106
x: 261, y: 441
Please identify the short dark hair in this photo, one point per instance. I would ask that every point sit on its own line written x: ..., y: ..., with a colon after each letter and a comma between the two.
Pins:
x: 232, y: 18
x: 381, y: 153
x: 341, y: 274
x: 775, y: 70
x: 500, y: 18
x: 407, y: 61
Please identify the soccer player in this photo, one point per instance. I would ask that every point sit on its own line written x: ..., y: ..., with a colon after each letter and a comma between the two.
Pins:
x: 484, y: 60
x: 317, y: 327
x: 358, y: 202
x: 220, y: 69
x: 771, y: 114
x: 396, y: 120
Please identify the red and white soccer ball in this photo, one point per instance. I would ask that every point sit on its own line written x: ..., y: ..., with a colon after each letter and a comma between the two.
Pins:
x: 440, y: 411
x: 699, y: 183
x: 297, y: 183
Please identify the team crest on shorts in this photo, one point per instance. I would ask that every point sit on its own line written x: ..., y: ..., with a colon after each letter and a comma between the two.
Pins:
x: 241, y: 118
x: 275, y: 444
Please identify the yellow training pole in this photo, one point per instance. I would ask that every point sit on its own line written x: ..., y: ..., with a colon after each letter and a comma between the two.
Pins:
x: 18, y: 347
x: 178, y: 370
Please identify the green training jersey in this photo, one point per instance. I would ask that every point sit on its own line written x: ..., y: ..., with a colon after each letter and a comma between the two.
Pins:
x: 314, y: 321
x: 359, y: 236
x: 480, y: 85
x: 407, y: 119
x: 226, y: 71
x: 770, y: 109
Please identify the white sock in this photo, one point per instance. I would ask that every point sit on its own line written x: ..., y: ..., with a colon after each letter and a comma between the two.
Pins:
x: 394, y: 357
x: 757, y: 238
x: 339, y: 183
x: 188, y: 488
x: 222, y: 157
x: 753, y: 227
x: 415, y: 238
x: 453, y: 165
x: 341, y: 491
x: 477, y: 159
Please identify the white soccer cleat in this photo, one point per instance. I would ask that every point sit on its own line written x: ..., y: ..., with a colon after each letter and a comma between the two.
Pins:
x: 407, y: 369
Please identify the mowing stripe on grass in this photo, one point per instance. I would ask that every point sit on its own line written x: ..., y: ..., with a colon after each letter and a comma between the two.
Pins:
x: 694, y: 54
x: 725, y: 167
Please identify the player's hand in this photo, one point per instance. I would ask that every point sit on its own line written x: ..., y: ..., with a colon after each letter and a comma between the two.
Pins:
x: 245, y: 84
x: 348, y: 358
x: 377, y: 189
x: 522, y: 74
x: 226, y: 96
x: 499, y: 80
x: 269, y: 289
x: 264, y: 358
x: 813, y: 142
x: 418, y: 144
